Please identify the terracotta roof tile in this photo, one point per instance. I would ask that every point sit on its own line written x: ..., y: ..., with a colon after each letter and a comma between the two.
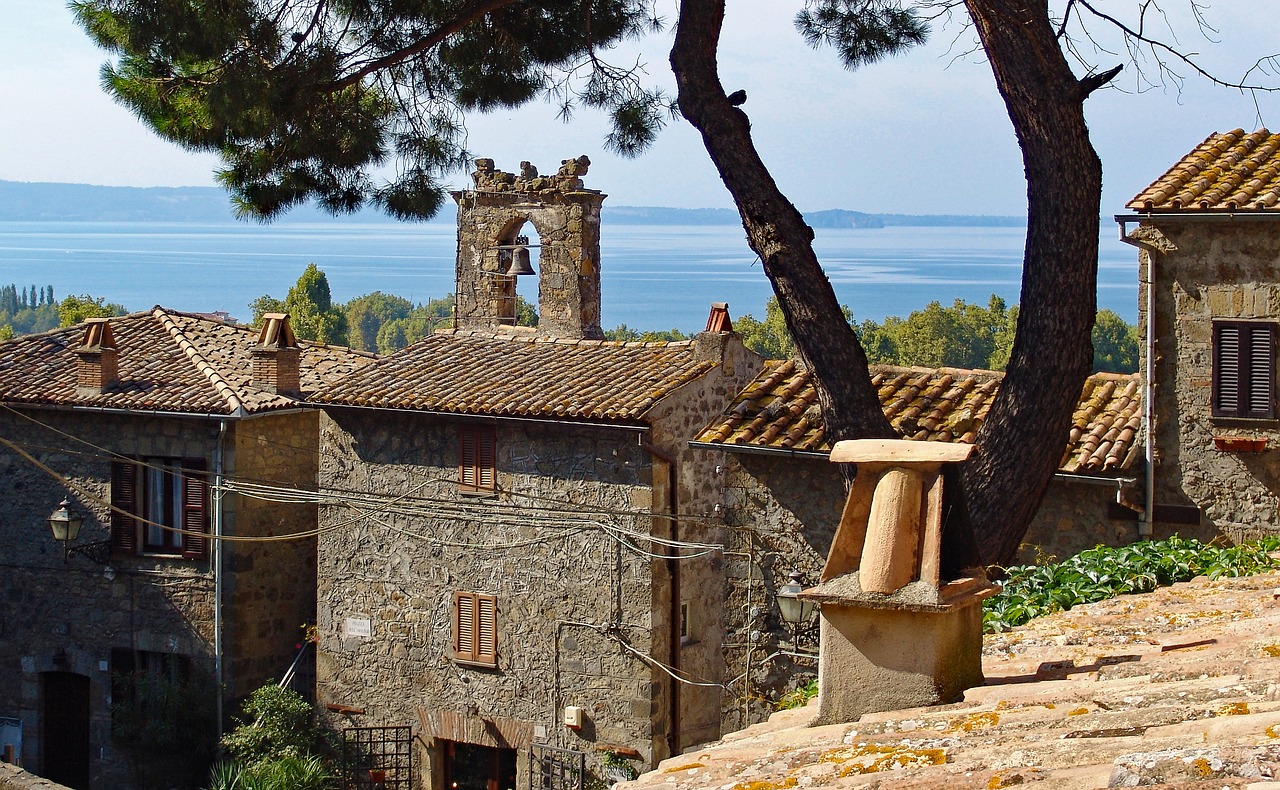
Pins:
x: 779, y: 411
x: 1231, y: 171
x: 168, y: 361
x: 499, y: 375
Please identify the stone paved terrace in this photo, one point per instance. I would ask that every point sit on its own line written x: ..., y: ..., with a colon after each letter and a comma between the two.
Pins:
x: 1175, y: 688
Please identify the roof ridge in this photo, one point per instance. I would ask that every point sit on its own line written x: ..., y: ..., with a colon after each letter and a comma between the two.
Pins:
x: 193, y: 353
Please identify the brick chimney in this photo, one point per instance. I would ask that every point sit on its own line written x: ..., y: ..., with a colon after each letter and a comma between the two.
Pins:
x: 97, y: 359
x: 275, y: 357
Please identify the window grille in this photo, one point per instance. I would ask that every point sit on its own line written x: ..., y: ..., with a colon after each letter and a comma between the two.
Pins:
x: 378, y: 758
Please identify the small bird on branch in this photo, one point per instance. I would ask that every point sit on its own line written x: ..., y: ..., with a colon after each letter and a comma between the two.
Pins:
x: 737, y: 98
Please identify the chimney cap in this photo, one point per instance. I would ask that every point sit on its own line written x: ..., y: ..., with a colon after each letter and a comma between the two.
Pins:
x: 276, y: 332
x: 718, y: 320
x: 97, y: 335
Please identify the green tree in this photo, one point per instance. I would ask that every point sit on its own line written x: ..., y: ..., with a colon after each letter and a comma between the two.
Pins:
x: 311, y: 310
x: 419, y: 323
x: 265, y: 304
x: 367, y: 314
x: 625, y: 334
x: 6, y: 332
x: 768, y: 338
x: 1115, y: 344
x: 74, y: 309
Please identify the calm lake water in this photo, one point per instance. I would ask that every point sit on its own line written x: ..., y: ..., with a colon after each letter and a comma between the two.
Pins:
x: 654, y: 277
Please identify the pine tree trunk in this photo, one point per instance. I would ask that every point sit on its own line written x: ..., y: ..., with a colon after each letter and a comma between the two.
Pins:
x: 1020, y: 444
x: 777, y: 232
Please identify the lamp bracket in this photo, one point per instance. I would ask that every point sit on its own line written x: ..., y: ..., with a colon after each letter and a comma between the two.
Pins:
x: 98, y: 551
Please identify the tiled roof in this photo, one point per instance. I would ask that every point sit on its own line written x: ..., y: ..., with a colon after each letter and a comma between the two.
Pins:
x: 168, y: 361
x: 1231, y: 171
x: 779, y: 411
x: 516, y: 376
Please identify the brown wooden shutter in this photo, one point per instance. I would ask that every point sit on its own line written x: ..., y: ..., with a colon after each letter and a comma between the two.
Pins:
x: 486, y: 629
x: 477, y: 456
x: 124, y: 496
x: 1259, y: 390
x: 464, y: 626
x: 195, y: 510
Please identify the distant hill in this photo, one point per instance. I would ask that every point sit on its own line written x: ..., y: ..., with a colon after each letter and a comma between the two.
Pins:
x: 38, y: 202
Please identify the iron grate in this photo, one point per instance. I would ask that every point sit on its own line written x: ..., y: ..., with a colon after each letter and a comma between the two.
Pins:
x: 378, y: 758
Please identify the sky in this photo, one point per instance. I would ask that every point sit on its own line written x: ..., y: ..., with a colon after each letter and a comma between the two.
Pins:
x: 922, y: 133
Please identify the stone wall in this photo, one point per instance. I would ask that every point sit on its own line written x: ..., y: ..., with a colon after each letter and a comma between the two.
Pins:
x: 574, y: 613
x: 61, y: 616
x: 567, y: 220
x: 782, y: 512
x: 1209, y: 271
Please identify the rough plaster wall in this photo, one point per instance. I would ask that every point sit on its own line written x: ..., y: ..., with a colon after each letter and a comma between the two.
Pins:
x: 270, y: 586
x: 399, y: 571
x: 701, y: 480
x: 66, y: 617
x: 1219, y: 270
x: 1073, y: 517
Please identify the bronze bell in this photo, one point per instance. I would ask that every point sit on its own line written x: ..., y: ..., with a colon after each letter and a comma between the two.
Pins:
x: 520, y: 260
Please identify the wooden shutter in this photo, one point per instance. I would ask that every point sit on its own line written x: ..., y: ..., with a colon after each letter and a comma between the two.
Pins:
x: 477, y: 456
x: 1244, y: 369
x: 464, y: 626
x: 124, y: 496
x: 486, y: 629
x: 195, y: 510
x: 475, y: 628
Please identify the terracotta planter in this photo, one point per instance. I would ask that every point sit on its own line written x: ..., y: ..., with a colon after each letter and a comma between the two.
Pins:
x: 1239, y: 444
x: 377, y: 775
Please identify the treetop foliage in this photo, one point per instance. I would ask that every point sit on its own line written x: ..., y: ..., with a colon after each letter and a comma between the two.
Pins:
x: 306, y: 98
x: 960, y: 336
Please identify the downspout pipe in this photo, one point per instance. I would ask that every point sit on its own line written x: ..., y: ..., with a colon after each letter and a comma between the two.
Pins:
x: 217, y: 568
x: 1146, y: 523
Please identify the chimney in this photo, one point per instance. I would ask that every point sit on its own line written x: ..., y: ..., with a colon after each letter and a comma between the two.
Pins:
x: 275, y: 357
x: 715, y: 343
x: 98, y: 359
x: 718, y: 320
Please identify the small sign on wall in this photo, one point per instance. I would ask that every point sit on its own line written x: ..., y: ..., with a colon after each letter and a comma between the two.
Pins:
x: 359, y: 626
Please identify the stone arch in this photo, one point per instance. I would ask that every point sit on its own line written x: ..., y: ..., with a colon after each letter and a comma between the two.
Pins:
x: 567, y: 220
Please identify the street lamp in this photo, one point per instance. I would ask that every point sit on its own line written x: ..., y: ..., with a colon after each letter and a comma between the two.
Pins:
x: 65, y: 526
x: 796, y: 611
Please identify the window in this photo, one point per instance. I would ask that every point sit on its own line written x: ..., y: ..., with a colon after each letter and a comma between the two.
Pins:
x: 475, y: 628
x: 143, y: 683
x: 1244, y: 369
x: 477, y: 446
x: 156, y: 497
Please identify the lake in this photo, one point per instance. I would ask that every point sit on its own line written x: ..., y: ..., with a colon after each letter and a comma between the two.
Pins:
x: 654, y: 277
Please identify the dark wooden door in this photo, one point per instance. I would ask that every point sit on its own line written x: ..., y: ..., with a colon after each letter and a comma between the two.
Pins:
x: 64, y: 737
x: 473, y: 767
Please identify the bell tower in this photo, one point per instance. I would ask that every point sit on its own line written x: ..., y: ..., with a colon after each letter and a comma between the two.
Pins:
x: 493, y: 249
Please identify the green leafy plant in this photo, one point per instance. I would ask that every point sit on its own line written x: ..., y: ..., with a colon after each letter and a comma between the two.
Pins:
x: 277, y: 745
x: 1097, y: 574
x: 797, y: 698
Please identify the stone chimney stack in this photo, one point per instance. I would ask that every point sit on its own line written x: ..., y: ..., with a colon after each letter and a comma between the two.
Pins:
x: 275, y: 357
x: 98, y: 359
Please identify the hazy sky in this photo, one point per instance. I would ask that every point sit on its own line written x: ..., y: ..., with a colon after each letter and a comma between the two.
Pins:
x: 923, y: 133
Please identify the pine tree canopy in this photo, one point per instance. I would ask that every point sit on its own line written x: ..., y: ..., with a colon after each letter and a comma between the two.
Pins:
x: 306, y: 99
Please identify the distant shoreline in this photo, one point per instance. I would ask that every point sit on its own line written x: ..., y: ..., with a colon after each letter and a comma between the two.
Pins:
x: 53, y: 202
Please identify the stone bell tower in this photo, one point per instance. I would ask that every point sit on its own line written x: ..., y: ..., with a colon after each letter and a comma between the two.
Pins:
x: 566, y: 217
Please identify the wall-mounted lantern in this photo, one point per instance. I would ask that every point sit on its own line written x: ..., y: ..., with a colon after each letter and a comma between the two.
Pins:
x: 65, y: 526
x: 796, y: 612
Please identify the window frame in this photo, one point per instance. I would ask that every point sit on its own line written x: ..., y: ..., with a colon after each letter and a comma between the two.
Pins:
x: 475, y: 617
x: 1236, y: 383
x: 477, y: 459
x: 189, y: 506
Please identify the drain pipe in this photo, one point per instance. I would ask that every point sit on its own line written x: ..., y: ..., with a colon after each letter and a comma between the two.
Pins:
x: 1146, y: 524
x: 217, y: 569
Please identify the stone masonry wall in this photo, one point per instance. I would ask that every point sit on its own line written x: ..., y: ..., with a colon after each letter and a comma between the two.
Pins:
x: 573, y: 596
x: 1214, y: 270
x: 701, y: 482
x: 67, y: 617
x: 567, y: 220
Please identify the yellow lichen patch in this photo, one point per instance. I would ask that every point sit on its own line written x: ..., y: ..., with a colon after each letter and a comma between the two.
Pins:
x: 884, y: 758
x: 1273, y: 731
x: 1007, y: 705
x: 1233, y: 709
x: 1202, y: 767
x: 762, y: 784
x: 1271, y: 650
x: 678, y: 768
x: 974, y: 721
x: 999, y: 780
x: 1078, y: 712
